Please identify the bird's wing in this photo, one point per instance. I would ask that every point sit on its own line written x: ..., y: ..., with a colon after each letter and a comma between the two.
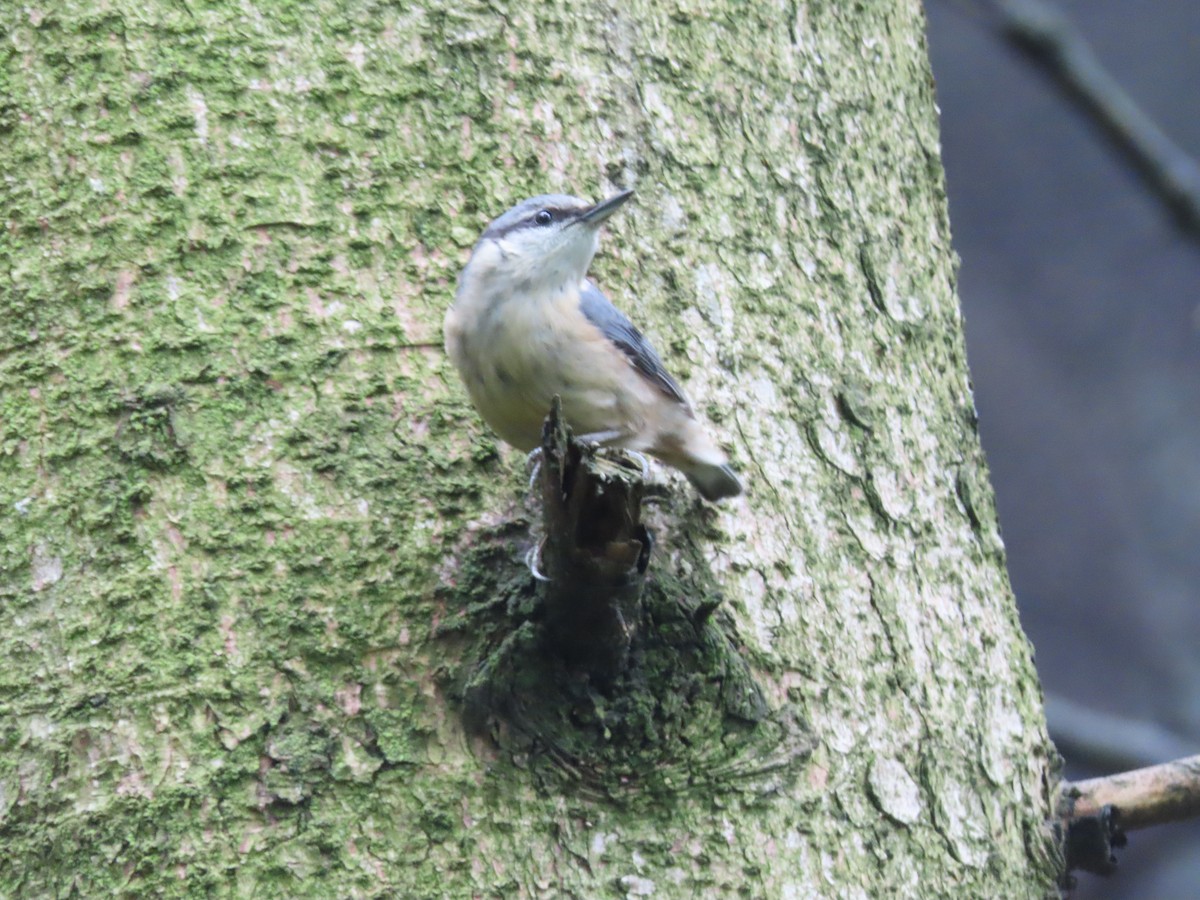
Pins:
x: 625, y: 337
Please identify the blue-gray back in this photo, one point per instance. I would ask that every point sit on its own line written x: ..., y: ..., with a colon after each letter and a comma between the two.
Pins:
x: 618, y: 329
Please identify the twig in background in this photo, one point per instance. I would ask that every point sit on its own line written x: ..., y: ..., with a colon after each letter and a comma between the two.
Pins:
x: 1048, y: 38
x: 1093, y: 815
x: 1152, y: 796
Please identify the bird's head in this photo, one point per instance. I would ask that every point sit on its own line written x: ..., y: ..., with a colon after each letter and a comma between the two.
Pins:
x: 543, y: 242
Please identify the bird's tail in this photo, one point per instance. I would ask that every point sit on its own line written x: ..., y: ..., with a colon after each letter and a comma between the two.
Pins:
x: 684, y: 443
x: 714, y: 482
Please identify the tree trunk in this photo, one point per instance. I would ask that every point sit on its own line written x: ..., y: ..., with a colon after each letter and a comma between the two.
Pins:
x: 267, y: 627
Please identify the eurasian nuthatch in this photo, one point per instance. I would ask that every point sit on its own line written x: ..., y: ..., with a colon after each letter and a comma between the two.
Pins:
x: 526, y: 324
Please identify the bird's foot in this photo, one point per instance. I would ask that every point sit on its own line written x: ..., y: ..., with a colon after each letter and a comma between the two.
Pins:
x: 534, y: 463
x: 600, y: 438
x: 531, y: 560
x: 641, y: 460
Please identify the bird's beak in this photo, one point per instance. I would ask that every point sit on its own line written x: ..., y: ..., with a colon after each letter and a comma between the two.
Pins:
x: 604, y: 209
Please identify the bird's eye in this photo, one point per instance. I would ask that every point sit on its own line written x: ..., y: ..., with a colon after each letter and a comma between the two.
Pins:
x: 544, y: 217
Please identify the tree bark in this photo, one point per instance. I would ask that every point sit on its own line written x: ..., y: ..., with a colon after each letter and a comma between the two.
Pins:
x: 266, y: 624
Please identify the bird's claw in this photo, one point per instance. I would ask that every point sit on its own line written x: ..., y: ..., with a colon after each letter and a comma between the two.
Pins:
x: 534, y: 462
x: 641, y: 460
x: 600, y: 439
x: 531, y: 560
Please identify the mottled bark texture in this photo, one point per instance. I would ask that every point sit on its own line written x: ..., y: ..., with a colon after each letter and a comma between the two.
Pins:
x: 265, y: 626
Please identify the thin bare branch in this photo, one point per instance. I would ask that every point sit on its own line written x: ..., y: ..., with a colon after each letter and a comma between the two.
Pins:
x: 1053, y: 43
x: 1152, y: 796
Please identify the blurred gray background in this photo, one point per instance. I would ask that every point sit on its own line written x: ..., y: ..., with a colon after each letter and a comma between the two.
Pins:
x: 1082, y: 303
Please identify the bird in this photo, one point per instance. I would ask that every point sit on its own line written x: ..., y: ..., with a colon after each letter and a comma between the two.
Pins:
x: 527, y: 324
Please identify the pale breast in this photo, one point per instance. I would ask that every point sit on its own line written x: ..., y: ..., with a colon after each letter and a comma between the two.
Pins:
x: 524, y: 352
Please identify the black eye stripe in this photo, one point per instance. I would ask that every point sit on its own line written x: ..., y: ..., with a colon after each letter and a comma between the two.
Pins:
x: 529, y: 219
x: 543, y: 217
